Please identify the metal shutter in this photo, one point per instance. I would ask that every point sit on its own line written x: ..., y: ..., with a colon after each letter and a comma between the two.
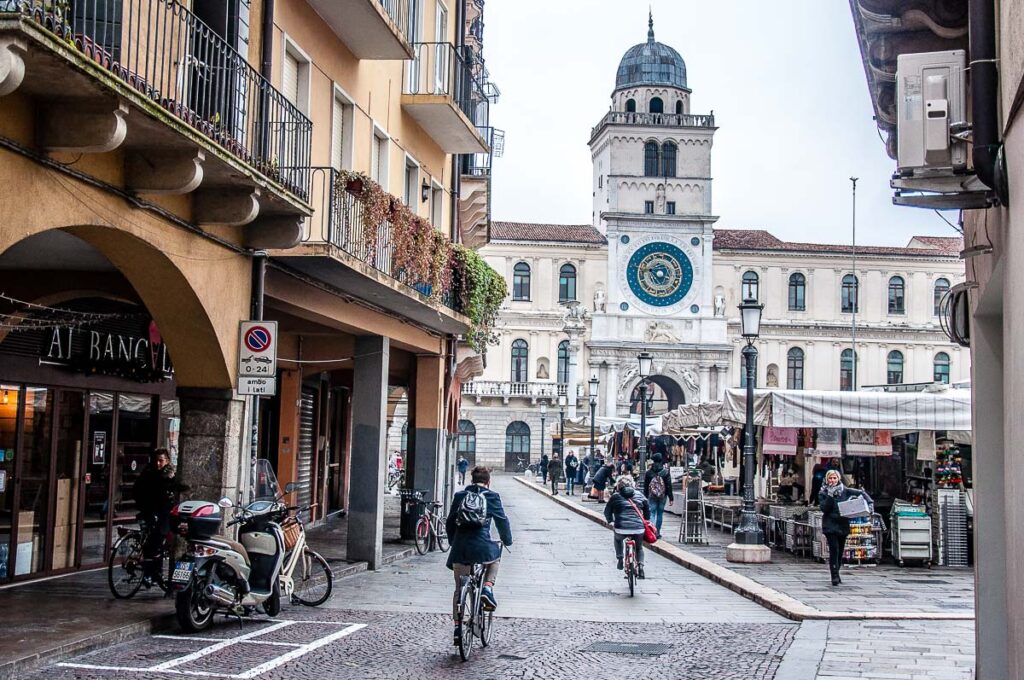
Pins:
x: 337, y: 133
x: 290, y: 78
x: 304, y: 451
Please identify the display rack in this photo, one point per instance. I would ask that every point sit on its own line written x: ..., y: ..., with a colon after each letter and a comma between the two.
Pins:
x: 863, y: 545
x: 949, y: 527
x: 911, y: 537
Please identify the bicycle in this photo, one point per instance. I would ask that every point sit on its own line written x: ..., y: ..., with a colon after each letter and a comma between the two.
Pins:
x: 629, y: 563
x: 396, y: 478
x: 125, y: 569
x: 475, y: 622
x: 430, y: 529
x: 305, y: 577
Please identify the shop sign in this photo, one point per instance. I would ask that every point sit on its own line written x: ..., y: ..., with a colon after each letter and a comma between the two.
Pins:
x: 98, y: 352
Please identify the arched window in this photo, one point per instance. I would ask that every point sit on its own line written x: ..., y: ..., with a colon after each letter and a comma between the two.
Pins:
x: 750, y: 286
x: 651, y: 159
x: 631, y: 105
x: 797, y: 292
x: 941, y: 288
x: 520, y: 361
x: 849, y: 294
x: 897, y: 295
x: 795, y: 369
x: 656, y: 105
x: 465, y: 441
x: 521, y: 281
x: 940, y: 374
x: 563, y: 362
x: 846, y: 376
x: 679, y: 106
x: 566, y: 283
x: 517, y: 440
x: 894, y: 363
x: 668, y: 159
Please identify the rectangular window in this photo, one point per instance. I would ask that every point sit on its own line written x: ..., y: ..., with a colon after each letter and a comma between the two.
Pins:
x: 295, y: 78
x: 341, y: 126
x: 379, y: 160
x: 670, y: 208
x: 648, y: 207
x: 437, y: 206
x: 412, y: 180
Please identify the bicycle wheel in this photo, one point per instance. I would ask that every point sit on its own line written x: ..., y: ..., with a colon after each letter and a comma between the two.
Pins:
x: 423, y: 535
x: 314, y: 580
x: 631, y: 576
x: 486, y: 621
x: 124, y: 567
x: 466, y: 599
x: 441, y: 535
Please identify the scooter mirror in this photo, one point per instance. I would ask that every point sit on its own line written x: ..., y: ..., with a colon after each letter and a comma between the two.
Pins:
x: 225, y: 502
x: 289, y: 487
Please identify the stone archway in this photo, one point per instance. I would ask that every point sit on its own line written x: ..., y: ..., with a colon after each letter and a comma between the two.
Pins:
x: 663, y: 395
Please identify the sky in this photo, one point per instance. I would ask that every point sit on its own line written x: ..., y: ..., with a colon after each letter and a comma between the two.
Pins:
x: 784, y: 79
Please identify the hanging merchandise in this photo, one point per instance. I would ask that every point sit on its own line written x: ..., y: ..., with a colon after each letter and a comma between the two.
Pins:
x: 883, y: 443
x: 860, y: 442
x: 948, y: 470
x: 926, y: 445
x: 829, y: 442
x: 780, y: 441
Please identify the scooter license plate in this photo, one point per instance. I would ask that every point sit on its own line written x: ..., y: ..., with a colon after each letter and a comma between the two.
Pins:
x: 182, y: 572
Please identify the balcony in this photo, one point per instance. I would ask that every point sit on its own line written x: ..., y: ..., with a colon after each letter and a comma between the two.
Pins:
x: 475, y: 191
x: 187, y: 113
x: 505, y: 390
x: 641, y: 119
x: 371, y: 29
x: 441, y: 94
x: 341, y: 248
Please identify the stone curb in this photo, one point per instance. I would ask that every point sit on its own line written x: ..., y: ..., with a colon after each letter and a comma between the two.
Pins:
x: 769, y: 598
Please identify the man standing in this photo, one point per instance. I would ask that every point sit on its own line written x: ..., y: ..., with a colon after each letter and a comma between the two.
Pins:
x: 572, y: 464
x: 555, y: 473
x: 154, y: 492
x: 462, y: 465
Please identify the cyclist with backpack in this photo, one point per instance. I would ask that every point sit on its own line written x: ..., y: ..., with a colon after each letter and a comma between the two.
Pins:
x: 658, y: 490
x: 469, y: 528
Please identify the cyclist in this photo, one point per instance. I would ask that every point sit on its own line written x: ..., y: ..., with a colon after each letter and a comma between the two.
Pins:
x: 154, y: 493
x: 626, y: 511
x: 469, y: 529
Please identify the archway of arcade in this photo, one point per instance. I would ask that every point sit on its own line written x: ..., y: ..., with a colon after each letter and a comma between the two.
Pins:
x: 663, y: 395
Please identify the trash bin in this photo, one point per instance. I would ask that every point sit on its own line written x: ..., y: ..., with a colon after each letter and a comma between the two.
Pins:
x: 413, y: 505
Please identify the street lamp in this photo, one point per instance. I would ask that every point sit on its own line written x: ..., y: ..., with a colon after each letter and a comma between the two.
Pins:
x: 562, y: 401
x: 543, y: 432
x: 594, y: 383
x: 646, y: 359
x: 748, y: 545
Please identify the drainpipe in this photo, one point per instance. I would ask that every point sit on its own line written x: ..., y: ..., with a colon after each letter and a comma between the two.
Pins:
x: 988, y: 158
x: 259, y: 274
x: 267, y: 40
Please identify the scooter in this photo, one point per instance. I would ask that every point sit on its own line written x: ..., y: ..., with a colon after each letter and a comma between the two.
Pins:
x: 217, y: 573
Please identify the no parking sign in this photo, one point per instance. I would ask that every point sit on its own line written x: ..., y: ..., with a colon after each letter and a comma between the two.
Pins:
x: 257, y: 358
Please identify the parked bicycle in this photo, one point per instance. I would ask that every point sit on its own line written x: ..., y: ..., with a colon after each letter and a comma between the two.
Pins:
x: 521, y: 466
x: 396, y: 479
x: 305, y: 578
x: 430, y: 529
x: 125, y: 566
x: 629, y: 563
x: 476, y: 622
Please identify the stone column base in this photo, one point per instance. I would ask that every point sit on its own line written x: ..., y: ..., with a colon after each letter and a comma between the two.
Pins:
x: 748, y: 554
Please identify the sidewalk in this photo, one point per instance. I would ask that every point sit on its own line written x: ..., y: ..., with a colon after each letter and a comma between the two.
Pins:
x: 799, y: 588
x: 52, y: 619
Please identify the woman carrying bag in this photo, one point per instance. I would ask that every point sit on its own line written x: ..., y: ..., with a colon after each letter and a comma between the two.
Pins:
x: 834, y: 525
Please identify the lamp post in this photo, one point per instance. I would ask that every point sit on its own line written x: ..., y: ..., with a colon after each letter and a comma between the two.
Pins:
x: 543, y: 432
x: 646, y: 359
x: 562, y: 401
x: 593, y: 383
x: 748, y: 545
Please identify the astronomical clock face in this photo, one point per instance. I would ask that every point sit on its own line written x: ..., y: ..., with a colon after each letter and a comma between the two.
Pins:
x: 659, y: 274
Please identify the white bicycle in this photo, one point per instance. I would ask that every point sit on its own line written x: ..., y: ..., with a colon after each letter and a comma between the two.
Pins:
x: 305, y: 578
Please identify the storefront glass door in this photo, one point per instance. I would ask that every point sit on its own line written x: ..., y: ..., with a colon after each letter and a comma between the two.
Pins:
x: 33, y: 480
x: 68, y: 478
x: 8, y: 446
x: 97, y: 477
x: 136, y: 439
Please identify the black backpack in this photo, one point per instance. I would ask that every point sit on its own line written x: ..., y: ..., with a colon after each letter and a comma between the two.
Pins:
x: 472, y: 513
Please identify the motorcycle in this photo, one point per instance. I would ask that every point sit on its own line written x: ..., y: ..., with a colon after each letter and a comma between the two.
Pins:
x: 217, y: 573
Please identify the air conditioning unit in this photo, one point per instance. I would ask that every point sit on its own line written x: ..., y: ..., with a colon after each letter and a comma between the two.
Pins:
x: 932, y: 133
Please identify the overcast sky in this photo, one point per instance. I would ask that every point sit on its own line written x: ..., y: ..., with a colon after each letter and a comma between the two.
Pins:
x: 784, y: 79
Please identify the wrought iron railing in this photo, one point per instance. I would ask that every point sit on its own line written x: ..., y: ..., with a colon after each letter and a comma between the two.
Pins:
x: 162, y: 50
x: 479, y: 164
x: 439, y: 69
x: 656, y: 119
x: 398, y: 10
x: 338, y: 219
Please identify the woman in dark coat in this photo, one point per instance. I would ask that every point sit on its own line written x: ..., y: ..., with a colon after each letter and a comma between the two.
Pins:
x: 601, y: 477
x: 626, y: 511
x: 836, y: 527
x: 555, y: 473
x: 544, y: 468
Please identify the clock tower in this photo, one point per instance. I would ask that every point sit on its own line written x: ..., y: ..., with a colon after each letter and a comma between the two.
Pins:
x: 652, y: 200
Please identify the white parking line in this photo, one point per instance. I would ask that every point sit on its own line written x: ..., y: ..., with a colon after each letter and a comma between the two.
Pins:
x: 171, y: 667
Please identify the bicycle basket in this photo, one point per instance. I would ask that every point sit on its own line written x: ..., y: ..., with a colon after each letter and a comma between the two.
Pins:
x: 292, y: 529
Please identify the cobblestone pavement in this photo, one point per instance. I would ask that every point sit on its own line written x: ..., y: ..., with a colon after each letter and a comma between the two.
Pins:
x: 417, y: 645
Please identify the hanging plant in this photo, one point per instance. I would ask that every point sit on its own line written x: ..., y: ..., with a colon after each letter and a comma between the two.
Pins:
x: 479, y: 293
x: 440, y: 269
x: 375, y: 207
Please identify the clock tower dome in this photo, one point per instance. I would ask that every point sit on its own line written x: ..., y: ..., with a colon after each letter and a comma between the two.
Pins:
x: 652, y: 200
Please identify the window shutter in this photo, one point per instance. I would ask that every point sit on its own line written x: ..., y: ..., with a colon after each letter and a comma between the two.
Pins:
x: 290, y: 79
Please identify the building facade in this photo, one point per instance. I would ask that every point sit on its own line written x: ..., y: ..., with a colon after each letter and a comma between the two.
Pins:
x: 653, y: 273
x: 156, y: 190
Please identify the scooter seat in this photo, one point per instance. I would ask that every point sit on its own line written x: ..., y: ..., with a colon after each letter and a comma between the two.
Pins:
x: 234, y: 545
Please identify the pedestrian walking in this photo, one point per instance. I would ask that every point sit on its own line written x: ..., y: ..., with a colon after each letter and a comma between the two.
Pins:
x: 555, y: 473
x: 462, y: 465
x: 836, y: 527
x: 658, y: 490
x: 544, y: 468
x: 572, y: 464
